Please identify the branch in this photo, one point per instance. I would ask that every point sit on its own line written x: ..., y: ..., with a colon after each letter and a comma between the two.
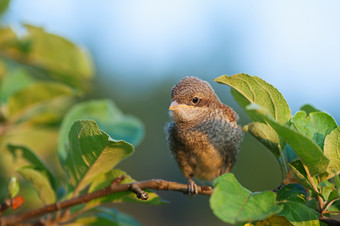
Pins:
x: 155, y: 184
x: 5, y: 205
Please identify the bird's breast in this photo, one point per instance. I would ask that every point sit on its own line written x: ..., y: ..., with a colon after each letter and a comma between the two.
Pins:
x: 206, y: 160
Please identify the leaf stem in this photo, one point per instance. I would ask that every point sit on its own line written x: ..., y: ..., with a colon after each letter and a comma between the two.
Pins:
x: 284, y: 166
x: 328, y: 204
x: 319, y: 199
x: 332, y: 212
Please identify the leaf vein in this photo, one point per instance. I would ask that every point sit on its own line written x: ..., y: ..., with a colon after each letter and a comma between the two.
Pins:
x: 250, y: 88
x: 271, y: 99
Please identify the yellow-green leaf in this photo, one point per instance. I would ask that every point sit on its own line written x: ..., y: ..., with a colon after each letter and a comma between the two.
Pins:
x: 13, y: 187
x: 40, y: 182
x: 104, y: 180
x: 332, y: 152
x: 91, y: 152
x: 308, y: 151
x: 35, y: 95
x: 233, y: 203
x: 248, y: 89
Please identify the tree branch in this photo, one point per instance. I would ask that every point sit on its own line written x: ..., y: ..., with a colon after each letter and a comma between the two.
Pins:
x: 155, y: 184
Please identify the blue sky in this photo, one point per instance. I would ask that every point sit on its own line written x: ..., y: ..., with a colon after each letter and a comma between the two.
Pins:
x: 293, y: 45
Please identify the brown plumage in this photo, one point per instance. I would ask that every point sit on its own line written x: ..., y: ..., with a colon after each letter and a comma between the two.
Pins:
x: 204, y: 136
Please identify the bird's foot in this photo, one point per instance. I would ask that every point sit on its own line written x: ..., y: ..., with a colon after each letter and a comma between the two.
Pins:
x: 192, y: 188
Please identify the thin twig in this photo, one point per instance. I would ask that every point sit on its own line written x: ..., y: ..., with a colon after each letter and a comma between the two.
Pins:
x: 328, y: 204
x: 149, y: 184
x: 332, y: 212
x: 284, y: 167
x: 319, y: 199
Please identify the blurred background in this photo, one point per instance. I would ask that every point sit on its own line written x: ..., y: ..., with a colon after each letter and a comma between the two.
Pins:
x: 142, y: 48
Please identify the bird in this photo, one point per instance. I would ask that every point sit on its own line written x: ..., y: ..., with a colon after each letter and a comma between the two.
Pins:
x: 203, y: 136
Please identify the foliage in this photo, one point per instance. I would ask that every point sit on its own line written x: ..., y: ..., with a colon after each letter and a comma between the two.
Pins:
x: 43, y: 77
x: 314, y: 138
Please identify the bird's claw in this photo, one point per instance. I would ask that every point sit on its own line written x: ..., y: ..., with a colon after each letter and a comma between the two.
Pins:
x: 192, y: 188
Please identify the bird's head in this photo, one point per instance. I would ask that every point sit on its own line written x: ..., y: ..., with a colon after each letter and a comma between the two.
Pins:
x: 192, y: 99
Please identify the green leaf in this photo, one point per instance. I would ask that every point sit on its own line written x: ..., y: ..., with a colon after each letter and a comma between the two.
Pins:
x: 7, y: 36
x: 233, y: 203
x: 299, y: 214
x: 104, y: 180
x: 49, y: 113
x: 49, y: 54
x: 327, y: 188
x: 309, y: 152
x: 332, y: 152
x: 293, y: 199
x: 62, y: 59
x: 25, y: 153
x: 13, y: 187
x: 248, y: 89
x: 13, y: 82
x: 105, y: 216
x: 292, y: 192
x: 266, y: 135
x: 300, y: 174
x: 272, y: 220
x: 308, y: 109
x: 109, y: 118
x: 289, y: 154
x: 37, y: 94
x: 91, y: 152
x: 40, y: 182
x: 337, y: 184
x: 315, y: 126
x: 3, y: 6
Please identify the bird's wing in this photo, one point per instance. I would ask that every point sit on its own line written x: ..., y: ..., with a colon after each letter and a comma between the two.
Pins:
x: 232, y: 115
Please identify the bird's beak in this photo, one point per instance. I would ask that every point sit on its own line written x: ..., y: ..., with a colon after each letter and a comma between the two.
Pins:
x: 176, y: 106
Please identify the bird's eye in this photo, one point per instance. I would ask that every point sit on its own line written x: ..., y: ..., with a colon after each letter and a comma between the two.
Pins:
x: 195, y: 100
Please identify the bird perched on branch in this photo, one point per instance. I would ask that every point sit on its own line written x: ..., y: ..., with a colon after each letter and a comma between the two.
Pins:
x: 204, y: 137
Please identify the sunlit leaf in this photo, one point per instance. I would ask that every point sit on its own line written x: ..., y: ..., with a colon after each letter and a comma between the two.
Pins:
x: 332, y: 152
x: 40, y: 182
x: 233, y: 203
x: 41, y: 139
x: 316, y: 126
x: 13, y: 82
x: 300, y: 174
x: 108, y: 117
x: 13, y: 187
x: 308, y: 109
x: 104, y: 180
x: 293, y: 199
x: 248, y: 89
x: 24, y: 152
x: 273, y: 220
x: 266, y: 135
x: 49, y: 54
x: 36, y: 94
x: 7, y: 36
x: 327, y: 188
x: 307, y: 150
x: 91, y: 152
x: 299, y: 214
x: 104, y: 216
x: 3, y: 6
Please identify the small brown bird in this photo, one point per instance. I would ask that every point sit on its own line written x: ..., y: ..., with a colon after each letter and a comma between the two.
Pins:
x: 204, y: 136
